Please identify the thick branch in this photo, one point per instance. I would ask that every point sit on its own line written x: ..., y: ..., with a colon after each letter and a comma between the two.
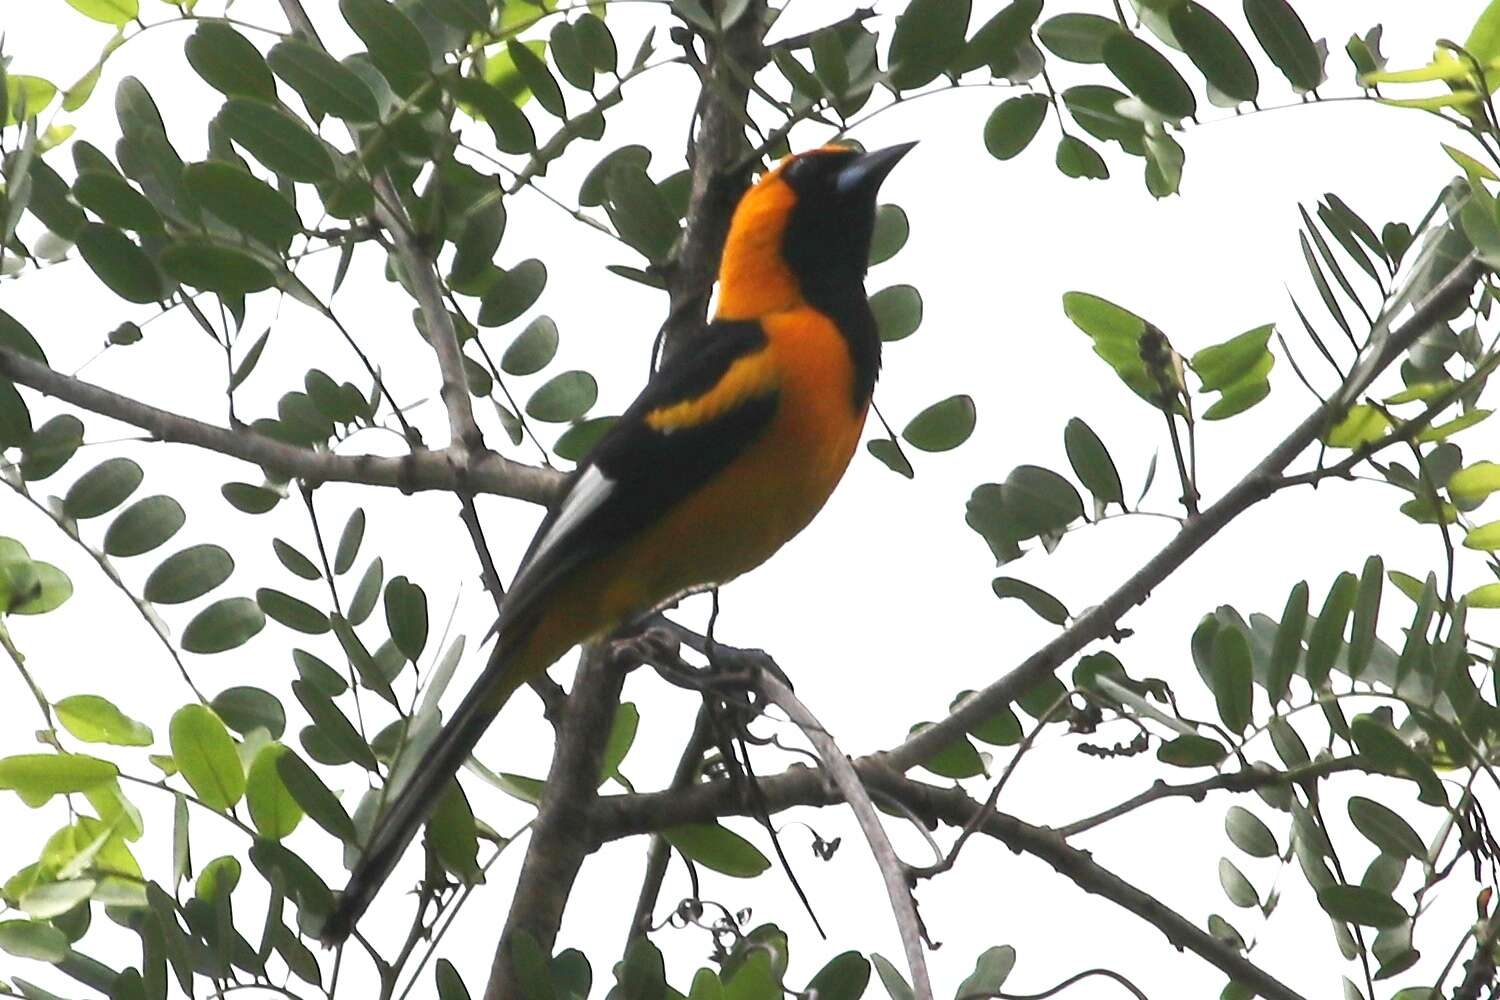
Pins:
x: 624, y: 815
x: 1259, y: 483
x: 421, y: 470
x: 720, y: 171
x: 560, y: 836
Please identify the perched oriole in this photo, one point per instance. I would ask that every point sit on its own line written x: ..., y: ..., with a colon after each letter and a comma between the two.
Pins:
x: 730, y: 450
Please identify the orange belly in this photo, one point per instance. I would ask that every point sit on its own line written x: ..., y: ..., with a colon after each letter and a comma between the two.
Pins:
x: 744, y: 515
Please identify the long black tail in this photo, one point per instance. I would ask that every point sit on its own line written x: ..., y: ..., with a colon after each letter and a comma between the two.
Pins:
x: 420, y: 791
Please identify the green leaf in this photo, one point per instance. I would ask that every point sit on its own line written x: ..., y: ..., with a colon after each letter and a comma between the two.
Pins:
x: 292, y: 612
x: 1327, y: 636
x: 718, y: 848
x: 47, y: 589
x: 453, y: 836
x: 277, y: 139
x: 1357, y: 905
x: 1092, y: 464
x: 1389, y: 754
x: 273, y: 810
x: 1366, y: 616
x: 641, y: 212
x: 1093, y: 108
x: 188, y: 574
x: 1249, y: 834
x: 245, y: 709
x: 349, y: 542
x: 244, y: 202
x: 1013, y: 124
x: 394, y: 42
x: 898, y: 312
x: 15, y: 418
x: 216, y: 267
x: 450, y: 986
x: 1385, y: 828
x: 294, y: 561
x: 50, y: 446
x: 31, y: 93
x: 1149, y: 75
x: 1284, y: 37
x: 94, y: 719
x: 958, y: 759
x: 324, y: 83
x: 116, y: 12
x: 205, y: 756
x: 1039, y: 501
x: 36, y: 777
x: 119, y: 263
x: 314, y: 797
x: 891, y: 978
x: 512, y: 293
x: 1485, y: 538
x: 844, y: 978
x: 1469, y: 486
x: 563, y: 398
x: 250, y: 499
x: 1485, y: 595
x: 512, y: 131
x: 1076, y: 158
x: 990, y: 972
x: 229, y: 62
x: 891, y: 231
x: 890, y: 454
x: 110, y: 196
x: 578, y: 440
x: 1232, y: 678
x: 538, y: 78
x: 1191, y: 750
x: 1037, y: 599
x: 942, y: 426
x: 223, y: 625
x: 597, y: 43
x: 1236, y: 886
x: 1222, y: 365
x: 1078, y: 38
x: 997, y: 40
x: 1360, y: 426
x: 533, y: 349
x: 33, y: 939
x: 929, y: 35
x: 621, y: 737
x: 1289, y: 745
x: 406, y: 616
x: 1213, y: 48
x: 102, y: 488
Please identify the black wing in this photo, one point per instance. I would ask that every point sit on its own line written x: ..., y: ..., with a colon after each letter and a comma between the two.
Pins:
x: 635, y: 473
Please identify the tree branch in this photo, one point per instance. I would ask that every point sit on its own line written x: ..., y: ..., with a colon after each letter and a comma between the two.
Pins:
x: 892, y: 869
x: 1245, y: 780
x: 1259, y: 483
x: 560, y: 835
x: 615, y: 816
x: 421, y: 470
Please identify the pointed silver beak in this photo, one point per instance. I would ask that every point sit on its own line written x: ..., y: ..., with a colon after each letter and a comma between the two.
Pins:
x: 865, y: 174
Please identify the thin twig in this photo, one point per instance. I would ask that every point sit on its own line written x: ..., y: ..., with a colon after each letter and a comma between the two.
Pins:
x: 892, y: 869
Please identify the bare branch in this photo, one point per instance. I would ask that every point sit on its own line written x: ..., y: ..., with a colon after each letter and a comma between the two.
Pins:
x: 421, y: 470
x: 1246, y: 780
x: 1263, y: 480
x: 847, y: 781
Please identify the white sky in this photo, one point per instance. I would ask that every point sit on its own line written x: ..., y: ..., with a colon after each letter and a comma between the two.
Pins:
x: 882, y: 611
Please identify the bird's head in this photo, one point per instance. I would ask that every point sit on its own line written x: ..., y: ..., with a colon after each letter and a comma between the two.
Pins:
x: 803, y: 231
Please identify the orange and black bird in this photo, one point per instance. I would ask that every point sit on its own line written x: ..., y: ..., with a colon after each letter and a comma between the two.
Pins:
x: 730, y: 450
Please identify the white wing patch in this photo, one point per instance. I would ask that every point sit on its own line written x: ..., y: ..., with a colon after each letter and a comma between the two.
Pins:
x: 586, y: 496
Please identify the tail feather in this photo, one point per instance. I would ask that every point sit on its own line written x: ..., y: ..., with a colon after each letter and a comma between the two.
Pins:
x: 420, y: 792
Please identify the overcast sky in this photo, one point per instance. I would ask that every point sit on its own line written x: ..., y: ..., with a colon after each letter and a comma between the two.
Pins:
x: 882, y: 611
